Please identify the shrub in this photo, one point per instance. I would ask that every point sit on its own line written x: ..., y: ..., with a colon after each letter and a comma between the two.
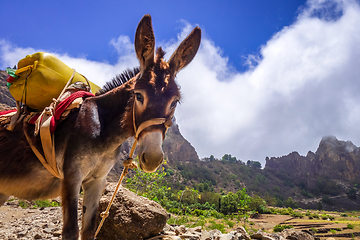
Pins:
x: 350, y: 226
x: 324, y: 216
x: 230, y: 223
x: 45, y: 203
x: 174, y: 210
x: 314, y: 230
x: 23, y: 204
x: 280, y: 228
x: 197, y: 212
x: 199, y: 223
x: 218, y: 226
x: 297, y: 215
x: 343, y: 215
x: 216, y: 214
x: 290, y: 203
x: 315, y: 215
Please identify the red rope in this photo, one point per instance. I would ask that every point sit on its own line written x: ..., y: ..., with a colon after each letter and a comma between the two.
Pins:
x: 61, y: 107
x: 7, y: 111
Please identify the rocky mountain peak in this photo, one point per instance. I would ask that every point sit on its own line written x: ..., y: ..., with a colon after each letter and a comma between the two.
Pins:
x: 332, y: 144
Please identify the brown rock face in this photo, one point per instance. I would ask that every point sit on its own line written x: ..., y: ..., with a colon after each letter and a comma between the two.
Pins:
x: 130, y: 216
x: 6, y: 100
x: 338, y: 160
x: 177, y: 148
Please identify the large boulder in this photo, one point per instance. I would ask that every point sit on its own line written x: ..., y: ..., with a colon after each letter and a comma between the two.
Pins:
x: 130, y: 216
x: 290, y: 234
x: 293, y: 234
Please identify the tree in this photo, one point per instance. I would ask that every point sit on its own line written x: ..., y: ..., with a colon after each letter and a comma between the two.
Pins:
x: 253, y: 164
x: 229, y: 203
x: 243, y: 204
x: 228, y: 158
x: 257, y: 204
x: 290, y: 203
x: 352, y: 193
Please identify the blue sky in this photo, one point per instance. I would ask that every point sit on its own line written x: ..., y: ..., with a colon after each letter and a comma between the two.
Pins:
x: 270, y: 77
x: 84, y: 28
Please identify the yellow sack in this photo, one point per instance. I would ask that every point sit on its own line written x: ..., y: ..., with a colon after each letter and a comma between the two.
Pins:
x: 42, y: 77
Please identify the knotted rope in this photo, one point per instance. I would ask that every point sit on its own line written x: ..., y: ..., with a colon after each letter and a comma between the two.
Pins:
x: 128, y: 163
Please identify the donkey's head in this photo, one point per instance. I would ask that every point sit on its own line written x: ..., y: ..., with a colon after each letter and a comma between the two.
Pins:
x: 155, y: 92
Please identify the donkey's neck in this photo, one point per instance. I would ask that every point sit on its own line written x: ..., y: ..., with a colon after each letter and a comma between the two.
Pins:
x: 112, y: 108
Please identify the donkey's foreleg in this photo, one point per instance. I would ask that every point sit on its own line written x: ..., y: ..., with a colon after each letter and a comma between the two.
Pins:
x: 92, y: 193
x: 70, y: 197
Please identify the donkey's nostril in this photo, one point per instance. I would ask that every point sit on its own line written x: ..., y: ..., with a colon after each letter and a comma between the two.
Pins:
x: 143, y: 158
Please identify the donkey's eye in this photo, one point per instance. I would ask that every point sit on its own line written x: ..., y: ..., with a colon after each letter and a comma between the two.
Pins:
x: 139, y: 97
x: 173, y: 104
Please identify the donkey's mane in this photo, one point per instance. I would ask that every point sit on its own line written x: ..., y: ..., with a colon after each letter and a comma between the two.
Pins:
x: 118, y: 80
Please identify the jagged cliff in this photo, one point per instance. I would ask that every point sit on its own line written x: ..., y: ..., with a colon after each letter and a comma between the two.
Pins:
x: 331, y: 175
x: 338, y: 160
x: 6, y: 100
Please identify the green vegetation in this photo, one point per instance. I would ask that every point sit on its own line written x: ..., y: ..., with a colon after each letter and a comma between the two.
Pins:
x: 45, y: 203
x: 38, y: 204
x: 350, y: 226
x: 195, y: 201
x: 279, y: 227
x: 23, y: 204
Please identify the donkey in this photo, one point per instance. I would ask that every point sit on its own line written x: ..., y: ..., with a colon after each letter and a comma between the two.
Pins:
x: 87, y: 143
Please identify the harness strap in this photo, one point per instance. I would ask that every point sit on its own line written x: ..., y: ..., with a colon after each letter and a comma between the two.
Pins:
x: 40, y: 156
x: 43, y: 124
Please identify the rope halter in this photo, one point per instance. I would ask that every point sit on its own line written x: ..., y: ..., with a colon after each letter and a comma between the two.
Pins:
x: 128, y: 163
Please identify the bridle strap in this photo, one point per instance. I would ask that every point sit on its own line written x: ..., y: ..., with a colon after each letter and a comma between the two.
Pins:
x: 148, y: 123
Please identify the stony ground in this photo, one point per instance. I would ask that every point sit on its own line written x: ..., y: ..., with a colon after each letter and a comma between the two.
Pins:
x: 40, y: 223
x: 46, y: 223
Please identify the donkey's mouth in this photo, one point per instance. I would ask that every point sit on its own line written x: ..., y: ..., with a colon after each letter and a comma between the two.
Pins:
x: 150, y: 151
x: 149, y: 165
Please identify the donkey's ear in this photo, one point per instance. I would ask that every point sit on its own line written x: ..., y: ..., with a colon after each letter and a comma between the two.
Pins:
x: 145, y: 42
x: 187, y: 50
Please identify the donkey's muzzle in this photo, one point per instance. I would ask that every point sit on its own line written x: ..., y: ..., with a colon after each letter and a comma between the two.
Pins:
x: 150, y: 152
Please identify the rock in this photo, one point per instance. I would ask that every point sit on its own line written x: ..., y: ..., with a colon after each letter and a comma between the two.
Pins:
x: 197, y: 229
x: 228, y: 236
x: 169, y: 228
x: 189, y: 236
x: 265, y: 237
x: 38, y: 236
x: 205, y: 235
x: 48, y: 230
x: 258, y: 235
x: 180, y: 230
x: 293, y: 234
x: 57, y: 233
x: 171, y: 238
x: 242, y: 230
x: 130, y: 216
x: 22, y: 233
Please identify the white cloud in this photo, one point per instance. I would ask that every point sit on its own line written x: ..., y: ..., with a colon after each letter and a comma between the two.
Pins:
x: 303, y: 85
